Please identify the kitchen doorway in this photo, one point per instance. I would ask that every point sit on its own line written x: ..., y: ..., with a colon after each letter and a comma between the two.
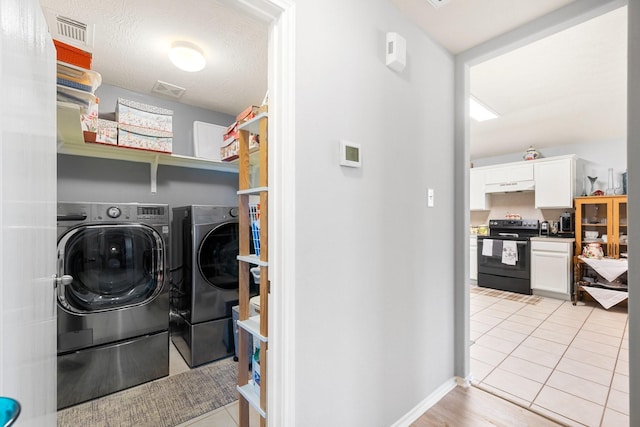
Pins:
x: 464, y: 139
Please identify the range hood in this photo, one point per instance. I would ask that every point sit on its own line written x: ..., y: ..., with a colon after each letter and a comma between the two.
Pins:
x: 510, y: 187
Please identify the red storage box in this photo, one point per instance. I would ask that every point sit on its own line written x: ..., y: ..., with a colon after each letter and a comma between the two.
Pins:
x: 72, y: 55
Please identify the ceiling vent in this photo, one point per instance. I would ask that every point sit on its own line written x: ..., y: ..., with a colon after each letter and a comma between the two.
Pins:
x: 70, y: 30
x: 167, y: 89
x: 438, y: 3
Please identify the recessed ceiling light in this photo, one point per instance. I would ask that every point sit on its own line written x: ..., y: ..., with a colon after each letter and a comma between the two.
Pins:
x: 187, y: 56
x: 480, y: 112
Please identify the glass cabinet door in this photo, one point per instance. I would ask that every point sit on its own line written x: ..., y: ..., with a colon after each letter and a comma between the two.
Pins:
x: 592, y: 219
x: 602, y: 220
x: 620, y: 227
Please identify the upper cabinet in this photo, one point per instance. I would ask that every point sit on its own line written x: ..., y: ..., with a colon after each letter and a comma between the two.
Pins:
x: 478, y: 199
x: 555, y: 183
x: 509, y: 177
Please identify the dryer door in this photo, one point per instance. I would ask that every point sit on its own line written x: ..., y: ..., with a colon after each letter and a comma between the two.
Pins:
x: 113, y: 266
x: 217, y: 256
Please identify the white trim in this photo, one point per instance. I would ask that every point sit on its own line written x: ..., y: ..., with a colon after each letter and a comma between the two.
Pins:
x: 282, y: 253
x: 422, y: 407
x: 282, y: 250
x: 464, y: 382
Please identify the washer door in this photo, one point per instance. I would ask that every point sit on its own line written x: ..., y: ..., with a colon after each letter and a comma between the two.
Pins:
x: 217, y: 256
x: 113, y: 266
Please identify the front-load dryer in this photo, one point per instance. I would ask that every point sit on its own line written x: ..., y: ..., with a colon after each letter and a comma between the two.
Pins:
x: 113, y: 308
x: 204, y: 281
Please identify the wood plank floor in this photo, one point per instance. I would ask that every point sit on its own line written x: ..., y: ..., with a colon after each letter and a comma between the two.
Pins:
x: 473, y: 407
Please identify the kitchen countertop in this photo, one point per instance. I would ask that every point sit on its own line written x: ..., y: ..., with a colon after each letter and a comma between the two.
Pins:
x: 553, y: 239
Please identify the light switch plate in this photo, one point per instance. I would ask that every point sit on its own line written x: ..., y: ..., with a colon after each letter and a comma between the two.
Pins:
x: 430, y: 197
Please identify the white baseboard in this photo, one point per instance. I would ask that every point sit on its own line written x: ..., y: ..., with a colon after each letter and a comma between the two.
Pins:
x: 427, y: 403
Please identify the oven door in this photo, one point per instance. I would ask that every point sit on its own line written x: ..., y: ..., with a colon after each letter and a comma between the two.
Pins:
x: 492, y: 259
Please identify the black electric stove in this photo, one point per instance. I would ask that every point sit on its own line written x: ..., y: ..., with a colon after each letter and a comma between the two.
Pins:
x: 504, y: 256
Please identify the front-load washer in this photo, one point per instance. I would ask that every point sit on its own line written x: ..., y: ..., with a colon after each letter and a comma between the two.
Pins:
x: 204, y: 281
x: 113, y: 308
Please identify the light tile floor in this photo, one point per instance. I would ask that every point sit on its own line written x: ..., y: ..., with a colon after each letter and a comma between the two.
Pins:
x: 568, y: 362
x: 226, y: 416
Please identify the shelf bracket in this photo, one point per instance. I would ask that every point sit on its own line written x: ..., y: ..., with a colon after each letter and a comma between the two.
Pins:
x: 154, y: 173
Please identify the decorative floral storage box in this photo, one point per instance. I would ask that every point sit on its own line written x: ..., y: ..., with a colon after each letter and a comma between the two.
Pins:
x: 143, y: 126
x: 143, y: 116
x: 128, y: 136
x: 230, y: 151
x: 107, y: 132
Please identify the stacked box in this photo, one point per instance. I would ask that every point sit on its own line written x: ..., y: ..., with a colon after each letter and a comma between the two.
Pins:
x: 231, y: 150
x: 151, y: 140
x: 143, y: 126
x: 72, y: 55
x: 107, y: 132
x: 230, y: 145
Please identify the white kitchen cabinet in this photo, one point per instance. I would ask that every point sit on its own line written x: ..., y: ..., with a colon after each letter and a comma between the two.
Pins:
x: 555, y: 183
x: 551, y: 267
x: 479, y: 200
x: 509, y: 173
x: 473, y: 258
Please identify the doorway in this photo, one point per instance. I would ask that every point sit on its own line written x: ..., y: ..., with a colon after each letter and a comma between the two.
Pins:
x: 279, y: 15
x: 464, y: 137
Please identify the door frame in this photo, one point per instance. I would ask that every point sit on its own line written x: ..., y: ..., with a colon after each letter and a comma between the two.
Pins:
x: 568, y: 16
x: 282, y: 260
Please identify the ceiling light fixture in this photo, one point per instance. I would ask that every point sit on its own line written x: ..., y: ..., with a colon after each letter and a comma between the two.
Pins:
x: 480, y: 112
x: 187, y: 56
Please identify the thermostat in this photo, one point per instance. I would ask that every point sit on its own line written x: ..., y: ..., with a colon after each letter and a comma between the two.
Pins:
x: 350, y: 154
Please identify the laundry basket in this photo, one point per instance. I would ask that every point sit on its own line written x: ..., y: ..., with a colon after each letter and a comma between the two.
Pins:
x: 254, y: 216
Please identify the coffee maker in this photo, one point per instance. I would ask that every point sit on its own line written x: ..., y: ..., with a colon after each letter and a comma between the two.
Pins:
x: 566, y: 225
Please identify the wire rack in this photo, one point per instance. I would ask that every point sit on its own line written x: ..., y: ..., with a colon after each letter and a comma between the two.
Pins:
x: 254, y: 216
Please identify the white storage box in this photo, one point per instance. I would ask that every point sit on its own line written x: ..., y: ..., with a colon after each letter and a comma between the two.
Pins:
x: 207, y: 140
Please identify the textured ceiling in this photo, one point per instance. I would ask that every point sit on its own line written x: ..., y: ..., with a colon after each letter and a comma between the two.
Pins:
x: 132, y: 38
x: 565, y: 89
x: 569, y: 88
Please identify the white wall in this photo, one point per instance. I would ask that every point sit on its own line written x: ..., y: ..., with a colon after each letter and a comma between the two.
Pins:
x: 374, y: 268
x: 633, y: 152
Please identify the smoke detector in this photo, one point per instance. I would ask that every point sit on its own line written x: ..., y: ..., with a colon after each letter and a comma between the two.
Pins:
x: 70, y: 30
x: 438, y: 3
x: 167, y: 89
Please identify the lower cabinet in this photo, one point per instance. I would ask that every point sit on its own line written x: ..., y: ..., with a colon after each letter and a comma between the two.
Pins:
x: 551, y: 267
x: 473, y: 258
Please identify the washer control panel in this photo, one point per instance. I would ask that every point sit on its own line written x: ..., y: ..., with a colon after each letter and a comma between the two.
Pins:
x: 114, y: 212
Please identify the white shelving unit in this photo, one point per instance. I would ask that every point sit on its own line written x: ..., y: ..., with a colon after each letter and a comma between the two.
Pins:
x: 254, y: 400
x: 256, y: 326
x: 71, y: 141
x: 252, y: 325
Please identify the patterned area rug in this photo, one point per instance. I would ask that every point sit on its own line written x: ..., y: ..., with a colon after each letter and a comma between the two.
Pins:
x: 165, y: 402
x: 511, y: 296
